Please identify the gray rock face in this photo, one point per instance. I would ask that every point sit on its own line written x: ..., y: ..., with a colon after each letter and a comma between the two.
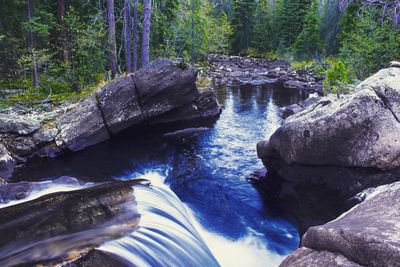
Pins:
x: 305, y: 257
x: 17, y: 125
x: 7, y: 163
x: 119, y: 104
x: 358, y: 130
x: 82, y: 126
x: 369, y: 234
x: 204, y: 107
x: 163, y: 86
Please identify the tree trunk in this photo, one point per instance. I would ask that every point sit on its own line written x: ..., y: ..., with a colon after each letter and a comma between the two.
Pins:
x: 31, y: 47
x: 135, y: 34
x: 146, y: 32
x: 111, y: 38
x: 62, y: 10
x: 128, y: 36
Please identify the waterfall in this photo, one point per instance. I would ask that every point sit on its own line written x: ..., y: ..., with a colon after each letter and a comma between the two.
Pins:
x: 171, y: 235
x: 166, y: 236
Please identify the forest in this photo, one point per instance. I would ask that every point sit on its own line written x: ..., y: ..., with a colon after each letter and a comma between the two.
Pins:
x: 63, y: 48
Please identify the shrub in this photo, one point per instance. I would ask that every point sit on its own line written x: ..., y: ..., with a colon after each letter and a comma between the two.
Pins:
x: 336, y: 80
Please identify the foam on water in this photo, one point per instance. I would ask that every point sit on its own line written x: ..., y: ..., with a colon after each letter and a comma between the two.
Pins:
x: 171, y: 235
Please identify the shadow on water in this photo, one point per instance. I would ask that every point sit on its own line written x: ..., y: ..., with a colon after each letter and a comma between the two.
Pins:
x: 209, y: 173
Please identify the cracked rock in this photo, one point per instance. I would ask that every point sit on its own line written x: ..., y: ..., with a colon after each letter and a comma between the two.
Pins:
x: 82, y: 126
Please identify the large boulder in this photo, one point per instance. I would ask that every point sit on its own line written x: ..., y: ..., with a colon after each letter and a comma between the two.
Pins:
x: 367, y: 235
x: 82, y: 126
x: 119, y: 103
x: 7, y: 163
x: 163, y: 86
x: 358, y: 130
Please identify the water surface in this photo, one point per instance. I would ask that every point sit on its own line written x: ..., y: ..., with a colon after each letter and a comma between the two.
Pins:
x: 208, y: 174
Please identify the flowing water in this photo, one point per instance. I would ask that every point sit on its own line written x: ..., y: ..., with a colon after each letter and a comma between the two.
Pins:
x: 200, y: 210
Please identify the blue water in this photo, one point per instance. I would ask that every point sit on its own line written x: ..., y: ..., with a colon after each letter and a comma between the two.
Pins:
x: 208, y: 174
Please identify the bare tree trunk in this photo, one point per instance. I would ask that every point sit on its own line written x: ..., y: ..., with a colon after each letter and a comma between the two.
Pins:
x: 111, y: 38
x: 146, y: 32
x: 31, y: 47
x: 135, y: 34
x: 128, y: 36
x: 62, y: 10
x: 192, y: 33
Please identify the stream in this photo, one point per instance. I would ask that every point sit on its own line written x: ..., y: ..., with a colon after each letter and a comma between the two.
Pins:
x: 200, y: 210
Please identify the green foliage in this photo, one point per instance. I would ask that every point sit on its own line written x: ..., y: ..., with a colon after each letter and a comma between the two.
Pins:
x: 242, y: 22
x: 368, y: 42
x: 87, y: 45
x: 308, y: 43
x: 262, y: 32
x: 290, y: 16
x: 336, y: 80
x: 187, y: 28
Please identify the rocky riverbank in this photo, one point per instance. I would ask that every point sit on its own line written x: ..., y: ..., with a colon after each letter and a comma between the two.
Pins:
x: 237, y: 70
x: 163, y: 92
x: 325, y: 159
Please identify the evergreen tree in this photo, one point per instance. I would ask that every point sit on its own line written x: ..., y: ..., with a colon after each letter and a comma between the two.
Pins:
x: 309, y: 42
x: 330, y: 26
x: 368, y: 41
x: 290, y: 17
x: 242, y: 22
x: 262, y: 33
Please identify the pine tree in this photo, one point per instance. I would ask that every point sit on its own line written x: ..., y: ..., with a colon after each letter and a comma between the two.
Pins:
x: 289, y: 21
x: 242, y: 21
x: 262, y: 33
x: 309, y: 42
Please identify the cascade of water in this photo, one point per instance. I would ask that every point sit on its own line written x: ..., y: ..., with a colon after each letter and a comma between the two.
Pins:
x: 171, y: 235
x: 166, y: 236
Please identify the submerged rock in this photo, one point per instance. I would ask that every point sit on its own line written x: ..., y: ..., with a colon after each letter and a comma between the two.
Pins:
x: 367, y: 235
x: 53, y: 225
x: 358, y: 130
x: 185, y: 134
